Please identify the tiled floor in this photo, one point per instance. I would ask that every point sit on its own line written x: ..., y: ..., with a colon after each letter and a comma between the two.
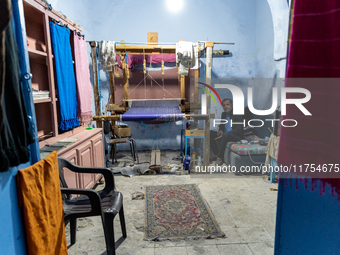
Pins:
x: 243, y: 206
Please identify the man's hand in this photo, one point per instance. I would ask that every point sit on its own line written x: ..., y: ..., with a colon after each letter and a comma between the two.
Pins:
x: 219, y: 134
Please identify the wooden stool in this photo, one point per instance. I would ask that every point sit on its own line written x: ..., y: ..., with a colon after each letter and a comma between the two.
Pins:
x: 129, y: 140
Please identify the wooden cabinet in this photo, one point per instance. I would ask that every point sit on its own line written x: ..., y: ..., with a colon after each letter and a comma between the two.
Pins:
x: 86, y: 151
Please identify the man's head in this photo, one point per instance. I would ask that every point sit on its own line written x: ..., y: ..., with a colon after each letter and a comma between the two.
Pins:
x: 227, y: 105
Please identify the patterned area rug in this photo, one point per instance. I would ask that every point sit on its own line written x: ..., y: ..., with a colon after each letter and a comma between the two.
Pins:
x: 175, y: 212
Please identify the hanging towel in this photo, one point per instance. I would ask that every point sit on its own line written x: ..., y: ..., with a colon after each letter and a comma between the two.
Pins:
x: 195, y: 63
x: 66, y: 82
x: 272, y: 149
x: 40, y: 197
x: 84, y: 88
x: 315, y: 140
x: 107, y: 55
x: 15, y: 135
x: 184, y: 56
x: 273, y: 146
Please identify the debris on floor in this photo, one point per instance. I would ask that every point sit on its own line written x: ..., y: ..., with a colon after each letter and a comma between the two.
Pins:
x: 139, y: 224
x: 83, y: 223
x: 273, y: 188
x: 171, y: 168
x: 137, y: 195
x: 181, y: 172
x: 156, y: 168
x: 136, y: 170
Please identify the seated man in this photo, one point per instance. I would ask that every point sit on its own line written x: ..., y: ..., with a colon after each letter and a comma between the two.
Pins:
x: 226, y: 133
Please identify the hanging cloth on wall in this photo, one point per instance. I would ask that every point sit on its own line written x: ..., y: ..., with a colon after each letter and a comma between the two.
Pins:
x: 184, y: 56
x: 195, y: 63
x: 107, y: 55
x: 15, y: 135
x: 315, y: 140
x: 65, y: 76
x: 154, y: 59
x: 84, y: 88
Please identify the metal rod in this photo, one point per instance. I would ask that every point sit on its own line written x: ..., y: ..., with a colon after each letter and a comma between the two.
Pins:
x: 143, y: 43
x: 217, y: 42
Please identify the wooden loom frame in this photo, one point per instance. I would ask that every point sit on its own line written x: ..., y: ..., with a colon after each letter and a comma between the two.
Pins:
x: 147, y: 49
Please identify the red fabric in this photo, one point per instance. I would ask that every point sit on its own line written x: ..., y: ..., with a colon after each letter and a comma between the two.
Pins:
x: 155, y: 59
x: 314, y: 53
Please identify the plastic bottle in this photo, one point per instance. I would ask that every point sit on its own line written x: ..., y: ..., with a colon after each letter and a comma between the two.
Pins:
x: 193, y: 158
x: 186, y: 163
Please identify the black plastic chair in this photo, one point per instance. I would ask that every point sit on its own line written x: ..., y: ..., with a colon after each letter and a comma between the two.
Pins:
x: 107, y: 203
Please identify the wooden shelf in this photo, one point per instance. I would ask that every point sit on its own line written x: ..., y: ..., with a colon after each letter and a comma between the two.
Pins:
x: 39, y: 101
x: 33, y: 52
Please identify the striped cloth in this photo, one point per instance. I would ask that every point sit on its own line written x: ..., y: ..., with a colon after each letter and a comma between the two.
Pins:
x: 314, y: 53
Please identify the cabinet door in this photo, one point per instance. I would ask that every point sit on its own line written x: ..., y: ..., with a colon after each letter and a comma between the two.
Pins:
x: 71, y: 178
x: 98, y: 153
x: 85, y: 157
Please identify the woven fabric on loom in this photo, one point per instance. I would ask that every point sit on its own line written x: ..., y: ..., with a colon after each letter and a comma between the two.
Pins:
x: 156, y: 110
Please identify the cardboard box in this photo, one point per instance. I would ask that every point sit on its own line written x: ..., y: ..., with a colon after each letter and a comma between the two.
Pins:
x: 122, y: 131
x: 193, y: 132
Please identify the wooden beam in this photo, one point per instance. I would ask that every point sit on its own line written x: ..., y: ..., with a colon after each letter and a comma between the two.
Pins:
x: 112, y: 86
x: 125, y: 78
x: 196, y: 94
x: 50, y: 73
x: 106, y: 118
x: 182, y: 86
x: 112, y: 89
x: 146, y: 52
x: 95, y: 81
x: 209, y: 46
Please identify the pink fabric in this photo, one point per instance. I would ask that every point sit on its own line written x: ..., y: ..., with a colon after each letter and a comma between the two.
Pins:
x: 84, y: 89
x: 314, y: 53
x: 155, y: 59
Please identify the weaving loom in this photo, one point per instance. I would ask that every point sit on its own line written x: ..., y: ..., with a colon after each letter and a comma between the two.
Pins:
x: 153, y: 110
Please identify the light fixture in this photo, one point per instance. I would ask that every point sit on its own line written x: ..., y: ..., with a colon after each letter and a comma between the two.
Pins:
x: 174, y: 5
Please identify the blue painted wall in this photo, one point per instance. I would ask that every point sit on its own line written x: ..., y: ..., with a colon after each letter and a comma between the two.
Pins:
x: 264, y: 61
x: 12, y: 228
x: 307, y: 222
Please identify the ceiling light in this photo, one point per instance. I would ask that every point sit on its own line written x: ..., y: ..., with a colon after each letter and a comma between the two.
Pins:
x: 174, y: 5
